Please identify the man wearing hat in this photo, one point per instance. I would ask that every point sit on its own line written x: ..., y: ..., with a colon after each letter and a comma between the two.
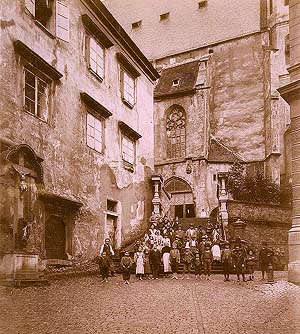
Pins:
x: 107, y: 248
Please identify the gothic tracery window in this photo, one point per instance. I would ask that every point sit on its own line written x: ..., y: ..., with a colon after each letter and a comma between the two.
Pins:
x: 176, y: 133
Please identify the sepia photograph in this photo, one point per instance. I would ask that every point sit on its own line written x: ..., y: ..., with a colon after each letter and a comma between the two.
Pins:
x: 150, y: 167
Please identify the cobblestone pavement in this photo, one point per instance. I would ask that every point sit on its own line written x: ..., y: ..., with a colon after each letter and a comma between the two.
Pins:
x: 88, y: 306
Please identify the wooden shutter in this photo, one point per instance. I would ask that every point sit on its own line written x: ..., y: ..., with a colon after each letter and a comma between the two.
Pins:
x: 62, y: 21
x: 30, y: 6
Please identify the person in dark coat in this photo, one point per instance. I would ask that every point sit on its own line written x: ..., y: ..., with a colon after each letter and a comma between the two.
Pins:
x: 107, y: 248
x: 207, y: 259
x: 104, y: 265
x: 264, y: 259
x: 155, y: 260
x: 226, y: 259
x: 126, y: 264
x: 239, y: 263
x: 197, y: 265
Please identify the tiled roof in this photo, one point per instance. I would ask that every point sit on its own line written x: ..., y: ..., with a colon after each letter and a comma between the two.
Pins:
x: 219, y: 152
x: 185, y: 73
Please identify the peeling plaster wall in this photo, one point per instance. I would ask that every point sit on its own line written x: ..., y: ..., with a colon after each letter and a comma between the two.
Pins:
x: 71, y: 168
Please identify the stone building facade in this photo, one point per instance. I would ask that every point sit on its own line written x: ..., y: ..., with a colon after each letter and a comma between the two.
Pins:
x: 291, y: 93
x: 76, y: 129
x: 219, y: 79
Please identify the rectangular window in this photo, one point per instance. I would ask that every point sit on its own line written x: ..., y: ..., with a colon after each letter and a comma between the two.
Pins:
x: 94, y: 132
x: 127, y: 87
x: 96, y: 57
x: 35, y: 95
x: 128, y: 148
x: 43, y: 12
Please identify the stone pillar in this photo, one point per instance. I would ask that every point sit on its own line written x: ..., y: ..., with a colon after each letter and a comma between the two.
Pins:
x: 223, y: 198
x: 239, y: 227
x: 291, y: 93
x: 157, y: 182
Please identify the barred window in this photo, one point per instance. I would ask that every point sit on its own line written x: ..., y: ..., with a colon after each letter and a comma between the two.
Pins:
x: 35, y: 95
x: 176, y: 133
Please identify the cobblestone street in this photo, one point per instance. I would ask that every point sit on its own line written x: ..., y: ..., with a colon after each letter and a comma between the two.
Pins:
x: 85, y: 305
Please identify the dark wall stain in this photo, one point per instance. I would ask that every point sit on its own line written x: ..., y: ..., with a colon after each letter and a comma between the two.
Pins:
x: 6, y: 24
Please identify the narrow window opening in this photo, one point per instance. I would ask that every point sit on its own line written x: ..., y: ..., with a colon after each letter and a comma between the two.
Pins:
x: 175, y: 82
x: 202, y: 4
x: 164, y: 16
x: 137, y: 24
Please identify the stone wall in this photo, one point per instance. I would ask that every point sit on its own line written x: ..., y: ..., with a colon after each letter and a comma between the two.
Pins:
x: 268, y: 223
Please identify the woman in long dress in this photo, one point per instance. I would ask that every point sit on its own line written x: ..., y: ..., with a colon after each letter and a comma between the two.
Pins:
x: 139, y: 259
x: 166, y: 259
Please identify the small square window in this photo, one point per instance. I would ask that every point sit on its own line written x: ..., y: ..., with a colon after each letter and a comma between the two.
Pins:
x: 164, y: 16
x: 175, y: 82
x: 111, y: 205
x: 127, y: 88
x: 286, y: 2
x: 136, y: 25
x: 96, y: 57
x: 94, y: 132
x: 202, y: 4
x: 36, y: 92
x: 215, y: 177
x: 128, y: 150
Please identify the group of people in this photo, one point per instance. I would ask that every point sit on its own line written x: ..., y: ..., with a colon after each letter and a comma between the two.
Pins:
x: 196, y: 249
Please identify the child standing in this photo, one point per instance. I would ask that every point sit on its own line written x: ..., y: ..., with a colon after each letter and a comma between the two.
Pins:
x: 126, y: 264
x: 104, y: 265
x: 197, y: 265
x: 226, y: 259
x: 188, y: 258
x: 250, y: 260
x: 207, y: 259
x: 174, y: 260
x: 239, y: 263
x: 139, y: 259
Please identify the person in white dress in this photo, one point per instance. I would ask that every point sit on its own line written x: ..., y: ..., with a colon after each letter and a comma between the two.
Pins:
x: 139, y: 259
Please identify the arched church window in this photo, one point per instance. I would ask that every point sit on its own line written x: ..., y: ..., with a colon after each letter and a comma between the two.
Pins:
x: 176, y: 133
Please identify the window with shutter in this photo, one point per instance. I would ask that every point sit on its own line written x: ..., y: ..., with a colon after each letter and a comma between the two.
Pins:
x: 62, y: 21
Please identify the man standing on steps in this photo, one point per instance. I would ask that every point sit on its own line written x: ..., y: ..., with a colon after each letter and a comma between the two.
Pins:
x: 107, y: 248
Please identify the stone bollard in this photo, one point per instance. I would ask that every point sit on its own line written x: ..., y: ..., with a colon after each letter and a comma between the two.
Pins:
x: 270, y: 274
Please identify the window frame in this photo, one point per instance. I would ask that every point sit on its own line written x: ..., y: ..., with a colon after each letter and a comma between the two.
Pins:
x: 58, y: 24
x: 126, y: 101
x: 90, y: 112
x: 88, y: 56
x: 129, y: 164
x: 38, y: 77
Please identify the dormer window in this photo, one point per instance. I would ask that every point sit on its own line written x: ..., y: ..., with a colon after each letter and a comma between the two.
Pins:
x: 164, y: 16
x: 136, y: 25
x: 175, y: 82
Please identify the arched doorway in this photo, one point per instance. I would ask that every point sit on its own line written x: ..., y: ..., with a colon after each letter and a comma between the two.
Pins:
x: 182, y: 200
